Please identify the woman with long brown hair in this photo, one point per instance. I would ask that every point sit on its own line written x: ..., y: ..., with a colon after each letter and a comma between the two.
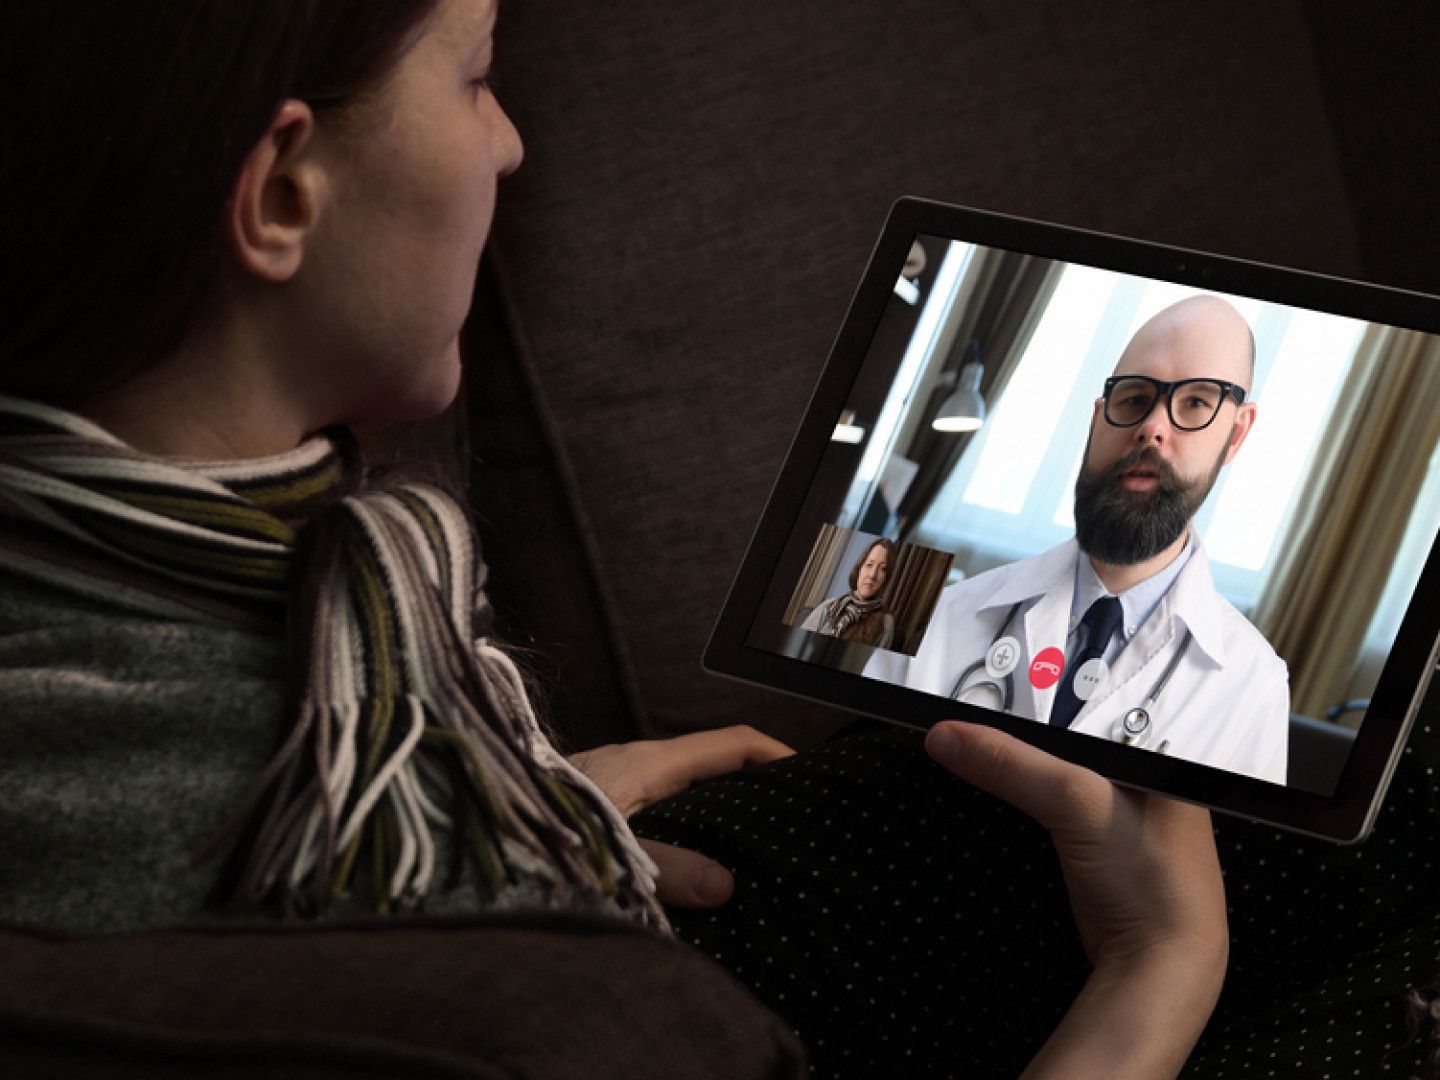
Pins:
x: 860, y: 615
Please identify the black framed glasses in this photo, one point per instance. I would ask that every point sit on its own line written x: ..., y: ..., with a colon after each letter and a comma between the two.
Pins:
x: 1192, y: 404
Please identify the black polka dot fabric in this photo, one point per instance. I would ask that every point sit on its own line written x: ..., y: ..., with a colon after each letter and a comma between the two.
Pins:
x: 908, y: 925
x: 1327, y: 940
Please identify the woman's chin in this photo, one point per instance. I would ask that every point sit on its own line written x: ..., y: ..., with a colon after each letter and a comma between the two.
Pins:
x: 414, y: 398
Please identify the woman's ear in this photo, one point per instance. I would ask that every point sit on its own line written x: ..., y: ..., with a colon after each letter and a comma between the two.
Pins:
x: 278, y: 197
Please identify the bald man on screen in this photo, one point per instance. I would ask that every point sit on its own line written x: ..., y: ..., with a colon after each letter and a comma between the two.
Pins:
x: 1124, y: 619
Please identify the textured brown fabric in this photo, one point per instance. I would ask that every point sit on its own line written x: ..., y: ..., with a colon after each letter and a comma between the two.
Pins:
x: 543, y: 584
x: 702, y: 186
x: 516, y: 996
x: 1381, y: 92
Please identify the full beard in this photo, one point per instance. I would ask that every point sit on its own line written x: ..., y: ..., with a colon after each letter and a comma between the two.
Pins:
x: 1122, y: 528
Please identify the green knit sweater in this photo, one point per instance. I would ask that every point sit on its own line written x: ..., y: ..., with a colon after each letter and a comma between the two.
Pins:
x: 123, y: 742
x: 126, y: 743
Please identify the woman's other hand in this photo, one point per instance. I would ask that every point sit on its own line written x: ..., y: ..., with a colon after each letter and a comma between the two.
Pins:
x: 635, y: 774
x: 1145, y: 888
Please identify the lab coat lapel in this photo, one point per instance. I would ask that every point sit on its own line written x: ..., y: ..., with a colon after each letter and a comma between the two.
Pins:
x: 1150, y: 644
x: 1193, y: 601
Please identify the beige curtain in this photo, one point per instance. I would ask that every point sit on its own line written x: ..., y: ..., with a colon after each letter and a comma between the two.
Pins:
x: 918, y: 578
x: 1345, y: 532
x: 1020, y: 321
x: 819, y: 569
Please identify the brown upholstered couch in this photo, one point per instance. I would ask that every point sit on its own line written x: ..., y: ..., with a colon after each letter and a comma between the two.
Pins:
x: 702, y: 185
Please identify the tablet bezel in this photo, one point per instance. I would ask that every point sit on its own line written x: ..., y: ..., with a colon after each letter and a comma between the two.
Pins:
x: 1349, y: 812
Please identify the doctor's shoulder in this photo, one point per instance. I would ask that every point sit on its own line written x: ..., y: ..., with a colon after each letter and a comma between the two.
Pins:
x: 975, y: 592
x: 1243, y: 640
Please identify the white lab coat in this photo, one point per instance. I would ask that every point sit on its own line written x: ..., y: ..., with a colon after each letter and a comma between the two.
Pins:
x: 1227, y: 703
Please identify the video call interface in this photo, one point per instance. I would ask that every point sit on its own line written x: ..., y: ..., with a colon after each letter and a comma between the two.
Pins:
x: 1182, y: 520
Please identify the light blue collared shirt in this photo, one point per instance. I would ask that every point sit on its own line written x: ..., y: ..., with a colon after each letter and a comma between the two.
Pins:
x: 1137, y: 603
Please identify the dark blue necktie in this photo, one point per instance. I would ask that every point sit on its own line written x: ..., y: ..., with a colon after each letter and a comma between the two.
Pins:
x: 1100, y: 622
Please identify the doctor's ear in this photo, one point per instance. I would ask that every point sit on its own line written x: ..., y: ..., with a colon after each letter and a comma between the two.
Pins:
x: 278, y: 197
x: 1244, y: 421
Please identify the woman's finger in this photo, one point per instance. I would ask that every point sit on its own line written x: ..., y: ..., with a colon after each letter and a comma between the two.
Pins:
x: 1053, y: 792
x: 672, y: 765
x: 687, y: 878
x: 633, y: 775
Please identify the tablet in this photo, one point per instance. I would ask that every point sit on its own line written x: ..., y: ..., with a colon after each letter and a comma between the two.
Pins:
x: 1166, y: 514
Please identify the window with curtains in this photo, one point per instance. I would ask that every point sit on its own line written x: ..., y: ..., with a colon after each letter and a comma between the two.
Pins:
x: 1409, y: 560
x: 1010, y: 496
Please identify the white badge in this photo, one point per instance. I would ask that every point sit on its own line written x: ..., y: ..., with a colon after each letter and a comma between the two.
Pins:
x: 1002, y: 658
x: 1090, y: 678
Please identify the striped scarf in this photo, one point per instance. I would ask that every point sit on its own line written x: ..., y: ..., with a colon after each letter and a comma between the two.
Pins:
x: 408, y: 718
x: 850, y: 609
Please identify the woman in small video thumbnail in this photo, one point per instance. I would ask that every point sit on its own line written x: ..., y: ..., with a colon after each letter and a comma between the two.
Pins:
x: 860, y: 614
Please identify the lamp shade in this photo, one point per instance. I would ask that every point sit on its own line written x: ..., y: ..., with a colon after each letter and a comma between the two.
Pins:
x: 847, y: 430
x: 964, y: 409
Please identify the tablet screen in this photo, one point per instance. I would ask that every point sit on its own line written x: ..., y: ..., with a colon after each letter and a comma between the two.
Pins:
x: 1150, y: 511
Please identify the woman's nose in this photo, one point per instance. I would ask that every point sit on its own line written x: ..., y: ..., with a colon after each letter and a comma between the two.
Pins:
x: 509, y: 149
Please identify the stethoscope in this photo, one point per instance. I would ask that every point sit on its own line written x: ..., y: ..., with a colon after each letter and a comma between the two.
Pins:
x: 996, y: 666
x: 1134, y: 728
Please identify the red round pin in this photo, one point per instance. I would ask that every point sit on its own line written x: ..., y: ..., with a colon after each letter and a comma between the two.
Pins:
x: 1045, y: 669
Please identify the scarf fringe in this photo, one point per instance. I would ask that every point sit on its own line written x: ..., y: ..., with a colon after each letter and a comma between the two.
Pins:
x: 409, y: 723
